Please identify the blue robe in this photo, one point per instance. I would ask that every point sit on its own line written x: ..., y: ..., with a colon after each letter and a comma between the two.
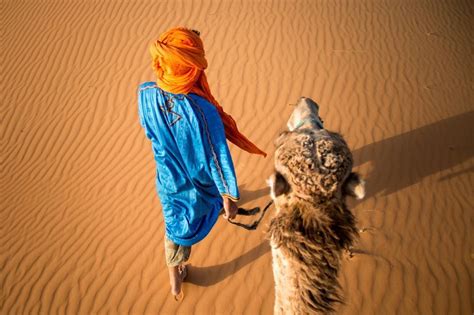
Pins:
x: 194, y: 167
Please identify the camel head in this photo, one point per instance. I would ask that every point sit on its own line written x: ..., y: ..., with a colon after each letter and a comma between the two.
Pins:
x: 311, y: 163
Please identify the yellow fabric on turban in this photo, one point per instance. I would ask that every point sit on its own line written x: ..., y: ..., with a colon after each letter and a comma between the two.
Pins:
x: 179, y: 62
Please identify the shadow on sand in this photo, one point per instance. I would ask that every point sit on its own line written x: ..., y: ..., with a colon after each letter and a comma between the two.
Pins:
x: 207, y: 276
x: 251, y: 195
x: 403, y: 160
x: 398, y: 162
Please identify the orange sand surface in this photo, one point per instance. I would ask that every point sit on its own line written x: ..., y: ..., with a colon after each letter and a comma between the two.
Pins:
x: 81, y: 225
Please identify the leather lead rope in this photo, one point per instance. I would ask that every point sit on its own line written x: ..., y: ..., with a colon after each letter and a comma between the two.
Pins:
x: 245, y: 212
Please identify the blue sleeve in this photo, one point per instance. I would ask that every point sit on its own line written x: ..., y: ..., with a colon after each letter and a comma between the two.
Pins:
x: 217, y: 151
x: 143, y: 111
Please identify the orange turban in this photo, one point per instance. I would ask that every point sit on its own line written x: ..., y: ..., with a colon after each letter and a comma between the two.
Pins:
x: 179, y: 63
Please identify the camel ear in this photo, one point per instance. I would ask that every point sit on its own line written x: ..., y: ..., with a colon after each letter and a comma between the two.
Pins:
x: 278, y: 185
x: 354, y: 186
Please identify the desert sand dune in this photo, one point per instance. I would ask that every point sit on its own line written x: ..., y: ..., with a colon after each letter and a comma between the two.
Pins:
x: 81, y: 225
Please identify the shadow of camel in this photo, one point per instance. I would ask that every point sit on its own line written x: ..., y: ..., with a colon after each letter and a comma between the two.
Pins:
x: 249, y: 195
x: 207, y: 276
x: 399, y: 162
x: 403, y: 160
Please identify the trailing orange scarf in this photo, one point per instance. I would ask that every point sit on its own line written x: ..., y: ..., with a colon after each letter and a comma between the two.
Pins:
x: 179, y: 63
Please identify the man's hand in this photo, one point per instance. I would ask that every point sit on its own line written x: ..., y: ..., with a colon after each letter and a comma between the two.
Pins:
x: 230, y: 209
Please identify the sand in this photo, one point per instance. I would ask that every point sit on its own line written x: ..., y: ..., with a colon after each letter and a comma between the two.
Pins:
x: 81, y: 224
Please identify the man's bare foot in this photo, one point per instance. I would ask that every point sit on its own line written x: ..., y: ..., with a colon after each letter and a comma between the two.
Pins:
x: 177, y: 276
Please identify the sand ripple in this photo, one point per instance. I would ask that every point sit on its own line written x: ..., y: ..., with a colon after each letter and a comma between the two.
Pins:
x: 81, y: 228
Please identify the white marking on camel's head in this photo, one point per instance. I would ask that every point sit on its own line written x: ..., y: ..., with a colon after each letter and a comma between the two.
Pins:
x: 305, y: 115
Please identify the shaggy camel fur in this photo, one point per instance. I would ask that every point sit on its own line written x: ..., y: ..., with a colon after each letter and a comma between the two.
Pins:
x: 312, y: 226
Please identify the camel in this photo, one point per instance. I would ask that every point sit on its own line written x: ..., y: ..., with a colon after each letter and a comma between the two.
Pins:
x: 312, y: 226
